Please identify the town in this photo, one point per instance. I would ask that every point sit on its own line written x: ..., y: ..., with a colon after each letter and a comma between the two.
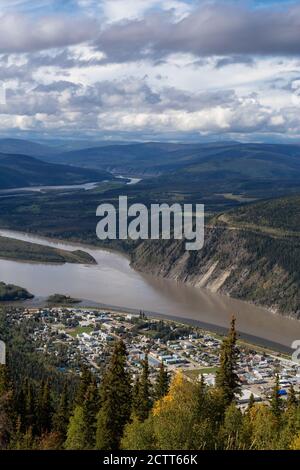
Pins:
x: 74, y: 336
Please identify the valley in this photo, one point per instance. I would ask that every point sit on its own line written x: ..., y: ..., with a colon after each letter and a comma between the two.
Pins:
x: 251, y: 250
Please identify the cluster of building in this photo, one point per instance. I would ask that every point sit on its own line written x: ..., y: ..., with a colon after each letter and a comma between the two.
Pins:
x: 73, y: 336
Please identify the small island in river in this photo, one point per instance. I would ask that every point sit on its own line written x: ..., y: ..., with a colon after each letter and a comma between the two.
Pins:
x: 62, y: 299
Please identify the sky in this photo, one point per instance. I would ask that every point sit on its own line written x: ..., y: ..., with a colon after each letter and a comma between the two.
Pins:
x: 176, y: 70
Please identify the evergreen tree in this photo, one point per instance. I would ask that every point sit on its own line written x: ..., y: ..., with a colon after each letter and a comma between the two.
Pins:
x: 29, y: 418
x: 201, y: 398
x: 82, y: 426
x: 136, y: 395
x: 90, y: 410
x: 20, y: 406
x: 26, y: 441
x: 76, y: 431
x: 115, y: 398
x: 144, y: 399
x: 276, y: 402
x: 251, y: 402
x: 226, y: 379
x: 162, y: 383
x: 6, y: 408
x: 17, y: 440
x: 44, y: 409
x: 61, y: 417
x: 292, y: 401
x: 86, y: 379
x: 4, y: 379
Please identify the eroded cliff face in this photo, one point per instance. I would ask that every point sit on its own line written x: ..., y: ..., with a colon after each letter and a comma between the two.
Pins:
x: 245, y: 265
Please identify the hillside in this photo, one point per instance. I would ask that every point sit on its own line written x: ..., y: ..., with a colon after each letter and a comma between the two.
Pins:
x: 246, y: 170
x: 21, y: 171
x: 44, y: 148
x: 250, y: 170
x: 166, y: 157
x: 26, y: 147
x: 244, y: 261
x: 279, y: 216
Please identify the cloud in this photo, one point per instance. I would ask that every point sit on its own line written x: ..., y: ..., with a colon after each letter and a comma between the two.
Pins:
x: 64, y: 58
x: 117, y: 10
x: 132, y: 106
x: 216, y: 28
x: 150, y: 69
x: 232, y: 60
x: 22, y: 33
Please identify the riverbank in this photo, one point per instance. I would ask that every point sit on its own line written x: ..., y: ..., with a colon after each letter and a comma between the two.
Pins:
x: 112, y: 281
x: 246, y: 339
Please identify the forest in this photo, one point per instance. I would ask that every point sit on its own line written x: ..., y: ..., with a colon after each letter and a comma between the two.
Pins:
x: 43, y: 409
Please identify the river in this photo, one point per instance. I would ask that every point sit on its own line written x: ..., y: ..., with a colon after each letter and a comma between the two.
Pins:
x: 113, y: 282
x: 85, y: 186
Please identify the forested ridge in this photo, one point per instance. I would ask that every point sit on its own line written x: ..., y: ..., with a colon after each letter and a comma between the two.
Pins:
x: 251, y: 253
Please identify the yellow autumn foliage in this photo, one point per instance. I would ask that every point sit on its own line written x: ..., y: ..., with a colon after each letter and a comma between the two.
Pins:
x: 176, y: 386
x: 296, y: 443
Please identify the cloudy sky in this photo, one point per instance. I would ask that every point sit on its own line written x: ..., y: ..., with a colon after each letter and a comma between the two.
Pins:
x: 180, y: 70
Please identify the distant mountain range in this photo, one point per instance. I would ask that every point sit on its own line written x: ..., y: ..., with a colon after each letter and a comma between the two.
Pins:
x: 48, y: 148
x: 254, y: 170
x: 18, y: 171
x: 248, y: 160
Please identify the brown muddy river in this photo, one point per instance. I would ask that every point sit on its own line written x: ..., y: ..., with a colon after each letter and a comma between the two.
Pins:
x: 113, y: 282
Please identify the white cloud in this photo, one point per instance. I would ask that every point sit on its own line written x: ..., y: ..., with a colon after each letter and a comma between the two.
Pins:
x: 161, y: 74
x: 117, y: 10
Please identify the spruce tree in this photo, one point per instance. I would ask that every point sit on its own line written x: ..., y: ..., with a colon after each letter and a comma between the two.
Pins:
x: 251, y: 402
x: 136, y: 395
x: 226, y: 379
x: 90, y: 410
x: 276, y: 402
x: 29, y: 418
x: 145, y: 402
x: 162, y: 383
x: 44, y: 409
x: 292, y: 399
x: 115, y: 398
x: 4, y: 379
x: 201, y: 398
x: 76, y: 431
x: 61, y: 417
x: 6, y: 408
x: 86, y: 379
